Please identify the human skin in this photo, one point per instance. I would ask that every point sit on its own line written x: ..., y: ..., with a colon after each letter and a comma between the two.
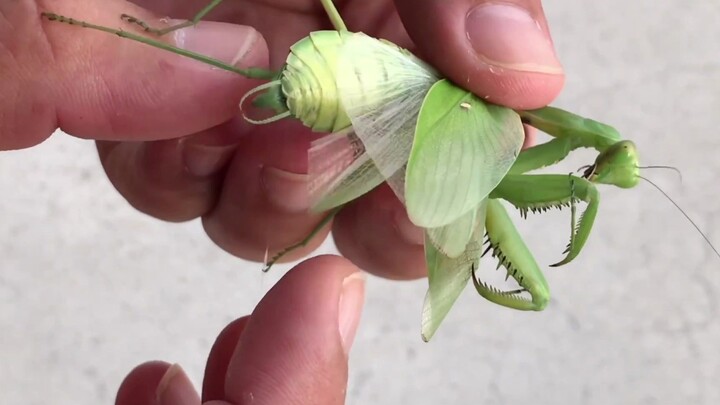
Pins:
x: 293, y: 348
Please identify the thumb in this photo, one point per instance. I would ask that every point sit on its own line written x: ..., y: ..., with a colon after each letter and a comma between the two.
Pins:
x: 294, y: 347
x: 96, y: 85
x: 292, y: 350
x: 499, y: 50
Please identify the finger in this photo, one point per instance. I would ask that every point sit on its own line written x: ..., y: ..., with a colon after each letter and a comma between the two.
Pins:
x: 263, y: 205
x: 255, y: 206
x: 140, y: 385
x: 157, y: 383
x: 219, y: 360
x: 144, y: 383
x: 294, y: 347
x: 173, y: 180
x: 499, y: 50
x: 530, y: 136
x: 375, y: 233
x: 105, y: 87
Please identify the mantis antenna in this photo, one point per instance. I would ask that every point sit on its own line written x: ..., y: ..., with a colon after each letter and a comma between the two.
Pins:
x: 675, y: 169
x: 685, y: 214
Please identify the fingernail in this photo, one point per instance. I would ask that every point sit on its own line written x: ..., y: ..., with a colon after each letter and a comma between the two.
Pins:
x: 350, y: 308
x: 175, y: 388
x: 507, y: 36
x: 407, y: 230
x: 223, y: 41
x: 286, y: 190
x: 205, y: 160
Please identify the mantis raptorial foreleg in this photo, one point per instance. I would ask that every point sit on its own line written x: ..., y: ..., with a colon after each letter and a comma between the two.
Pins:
x: 540, y: 192
x: 512, y: 253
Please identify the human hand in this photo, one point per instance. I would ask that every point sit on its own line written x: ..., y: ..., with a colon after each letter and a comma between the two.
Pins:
x: 293, y: 349
x: 169, y: 136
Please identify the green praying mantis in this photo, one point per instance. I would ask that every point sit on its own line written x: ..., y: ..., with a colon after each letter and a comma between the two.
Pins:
x: 449, y: 156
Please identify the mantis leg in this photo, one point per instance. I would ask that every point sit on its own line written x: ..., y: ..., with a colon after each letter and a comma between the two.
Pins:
x: 334, y: 15
x: 252, y: 73
x: 319, y: 227
x: 541, y: 192
x: 563, y: 124
x: 570, y: 131
x: 543, y: 155
x: 328, y: 5
x: 512, y: 253
x: 166, y: 30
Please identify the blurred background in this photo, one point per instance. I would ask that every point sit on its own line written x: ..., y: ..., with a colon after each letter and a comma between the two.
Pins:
x: 89, y: 287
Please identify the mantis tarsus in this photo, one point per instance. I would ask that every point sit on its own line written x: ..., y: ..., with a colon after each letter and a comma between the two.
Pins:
x: 449, y: 156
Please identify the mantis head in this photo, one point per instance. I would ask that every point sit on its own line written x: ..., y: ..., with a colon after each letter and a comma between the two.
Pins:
x: 617, y: 165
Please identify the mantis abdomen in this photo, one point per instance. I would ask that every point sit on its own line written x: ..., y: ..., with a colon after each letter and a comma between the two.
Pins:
x: 326, y: 67
x: 309, y: 84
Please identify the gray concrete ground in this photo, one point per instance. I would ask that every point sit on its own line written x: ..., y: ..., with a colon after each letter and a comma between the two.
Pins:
x: 89, y: 287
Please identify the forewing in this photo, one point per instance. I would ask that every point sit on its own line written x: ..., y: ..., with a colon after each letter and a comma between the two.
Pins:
x: 452, y: 238
x: 381, y: 89
x: 463, y: 147
x: 447, y: 277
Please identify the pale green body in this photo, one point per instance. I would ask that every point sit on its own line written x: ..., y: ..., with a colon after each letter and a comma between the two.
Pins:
x: 308, y: 85
x: 449, y: 156
x: 308, y: 88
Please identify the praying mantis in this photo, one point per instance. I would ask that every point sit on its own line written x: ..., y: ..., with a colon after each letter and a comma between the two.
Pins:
x: 448, y: 155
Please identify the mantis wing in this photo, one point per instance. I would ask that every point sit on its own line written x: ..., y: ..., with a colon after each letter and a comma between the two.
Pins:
x: 339, y: 171
x: 451, y: 239
x: 381, y: 89
x: 448, y: 276
x: 463, y: 147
